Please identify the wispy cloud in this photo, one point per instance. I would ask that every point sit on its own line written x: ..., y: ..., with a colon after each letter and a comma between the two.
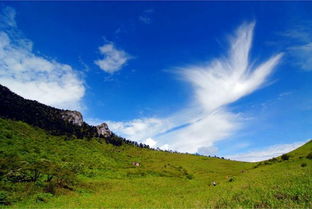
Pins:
x: 33, y: 76
x: 145, y: 19
x: 303, y: 55
x: 266, y: 153
x: 215, y: 85
x: 146, y: 16
x: 8, y: 17
x: 301, y: 45
x: 226, y: 80
x: 114, y: 59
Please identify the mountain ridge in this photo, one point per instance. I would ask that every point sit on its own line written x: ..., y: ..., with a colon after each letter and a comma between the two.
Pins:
x: 55, y: 121
x: 13, y: 106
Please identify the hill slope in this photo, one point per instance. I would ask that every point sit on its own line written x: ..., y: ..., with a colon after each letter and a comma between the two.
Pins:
x: 41, y: 170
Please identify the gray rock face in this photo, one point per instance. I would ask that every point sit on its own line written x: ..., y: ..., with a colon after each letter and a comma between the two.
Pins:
x: 73, y: 117
x: 103, y: 130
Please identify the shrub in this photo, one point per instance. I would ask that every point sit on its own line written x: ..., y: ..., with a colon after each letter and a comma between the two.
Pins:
x: 65, y: 178
x: 285, y: 157
x: 273, y: 159
x: 231, y: 179
x: 50, y: 188
x: 43, y: 197
x: 8, y: 135
x: 256, y: 166
x: 189, y: 176
x: 309, y: 156
x: 3, y: 198
x: 303, y: 164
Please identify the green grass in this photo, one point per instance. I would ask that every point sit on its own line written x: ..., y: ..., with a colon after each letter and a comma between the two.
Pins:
x: 105, y: 177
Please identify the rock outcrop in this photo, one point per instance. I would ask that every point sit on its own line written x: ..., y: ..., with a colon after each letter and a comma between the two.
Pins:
x: 103, y: 130
x: 73, y: 117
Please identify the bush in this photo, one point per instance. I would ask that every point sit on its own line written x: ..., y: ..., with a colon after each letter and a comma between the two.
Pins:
x: 309, y: 156
x: 189, y: 176
x: 285, y: 157
x: 273, y: 159
x: 50, y: 188
x: 43, y: 197
x: 303, y: 164
x: 3, y: 198
x: 256, y: 166
x: 231, y: 179
x: 8, y: 135
x: 65, y: 178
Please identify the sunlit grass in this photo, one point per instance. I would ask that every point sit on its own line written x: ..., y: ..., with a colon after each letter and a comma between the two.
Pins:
x: 107, y: 177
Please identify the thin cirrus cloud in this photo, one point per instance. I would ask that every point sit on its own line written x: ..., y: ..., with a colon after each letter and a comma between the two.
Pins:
x: 266, y: 153
x: 32, y: 76
x: 146, y: 16
x: 215, y: 85
x: 114, y: 59
x: 303, y: 55
x: 8, y: 17
x: 300, y: 52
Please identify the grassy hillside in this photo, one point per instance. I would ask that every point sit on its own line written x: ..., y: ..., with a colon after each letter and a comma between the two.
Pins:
x: 41, y: 170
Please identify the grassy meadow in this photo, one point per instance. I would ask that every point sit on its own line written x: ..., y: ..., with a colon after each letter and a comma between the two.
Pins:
x: 39, y: 170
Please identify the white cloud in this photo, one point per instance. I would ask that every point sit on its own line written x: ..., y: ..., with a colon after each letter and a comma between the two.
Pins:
x: 165, y: 147
x: 211, y: 150
x: 226, y: 80
x: 150, y: 142
x: 36, y: 77
x: 140, y: 129
x: 114, y: 59
x: 216, y: 85
x: 266, y: 153
x: 209, y: 128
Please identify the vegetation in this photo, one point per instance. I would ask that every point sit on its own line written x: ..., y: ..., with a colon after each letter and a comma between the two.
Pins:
x: 40, y: 170
x: 285, y: 157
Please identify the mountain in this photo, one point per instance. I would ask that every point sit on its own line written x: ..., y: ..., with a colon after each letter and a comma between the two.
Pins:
x: 42, y: 167
x: 55, y: 121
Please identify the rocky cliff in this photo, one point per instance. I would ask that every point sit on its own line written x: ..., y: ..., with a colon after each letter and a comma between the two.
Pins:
x: 103, y: 130
x: 73, y: 117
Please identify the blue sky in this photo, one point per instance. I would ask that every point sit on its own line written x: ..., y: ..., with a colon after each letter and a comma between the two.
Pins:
x: 215, y: 78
